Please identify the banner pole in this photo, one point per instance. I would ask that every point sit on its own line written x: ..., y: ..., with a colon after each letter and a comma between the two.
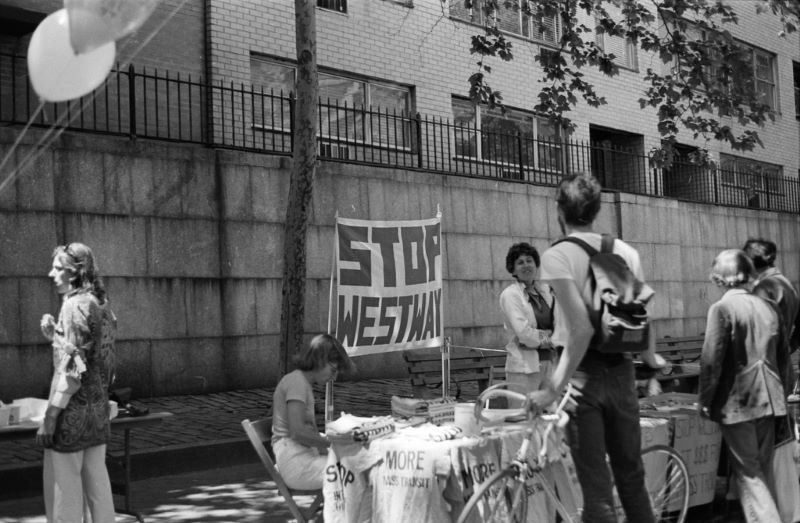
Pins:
x: 446, y: 367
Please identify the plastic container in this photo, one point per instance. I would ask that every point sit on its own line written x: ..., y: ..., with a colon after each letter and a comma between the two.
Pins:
x: 464, y: 418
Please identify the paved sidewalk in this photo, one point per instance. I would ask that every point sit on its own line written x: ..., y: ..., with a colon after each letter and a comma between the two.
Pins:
x: 198, y: 465
x: 205, y: 431
x: 238, y: 494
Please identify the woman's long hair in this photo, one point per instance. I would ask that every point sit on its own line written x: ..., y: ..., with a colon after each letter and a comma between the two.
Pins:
x: 323, y: 349
x: 79, y: 260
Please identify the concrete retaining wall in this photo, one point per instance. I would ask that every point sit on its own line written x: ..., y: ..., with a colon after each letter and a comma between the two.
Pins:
x: 189, y: 241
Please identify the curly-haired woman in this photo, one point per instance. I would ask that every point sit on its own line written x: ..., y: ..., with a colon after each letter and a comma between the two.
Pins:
x: 527, y: 306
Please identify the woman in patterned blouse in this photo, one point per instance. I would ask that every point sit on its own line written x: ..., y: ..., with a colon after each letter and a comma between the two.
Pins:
x: 76, y: 424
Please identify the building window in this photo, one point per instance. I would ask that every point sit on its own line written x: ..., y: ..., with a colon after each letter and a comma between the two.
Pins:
x: 513, y: 139
x: 759, y: 78
x: 275, y: 80
x: 510, y: 17
x: 623, y: 49
x: 754, y: 178
x: 693, y: 33
x: 364, y: 111
x: 351, y: 110
x: 333, y: 5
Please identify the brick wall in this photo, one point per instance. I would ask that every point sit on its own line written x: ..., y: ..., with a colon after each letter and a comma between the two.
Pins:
x: 422, y: 47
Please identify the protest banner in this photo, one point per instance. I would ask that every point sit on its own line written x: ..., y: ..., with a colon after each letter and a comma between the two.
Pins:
x: 389, y: 285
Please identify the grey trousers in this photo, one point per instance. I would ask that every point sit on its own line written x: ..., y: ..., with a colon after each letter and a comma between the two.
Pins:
x: 750, y: 448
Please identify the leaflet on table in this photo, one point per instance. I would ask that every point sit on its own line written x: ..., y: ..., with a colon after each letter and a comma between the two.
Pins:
x: 23, y: 411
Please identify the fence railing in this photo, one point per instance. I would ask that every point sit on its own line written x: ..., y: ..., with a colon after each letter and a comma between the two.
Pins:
x: 163, y: 106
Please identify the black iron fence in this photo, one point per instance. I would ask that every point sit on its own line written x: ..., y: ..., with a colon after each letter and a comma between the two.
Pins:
x: 163, y: 106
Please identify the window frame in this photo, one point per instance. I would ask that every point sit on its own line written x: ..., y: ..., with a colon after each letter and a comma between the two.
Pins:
x: 745, y: 171
x: 286, y: 127
x: 631, y: 59
x: 536, y: 161
x: 773, y: 95
x: 755, y: 52
x: 336, y: 6
x: 525, y: 23
x: 369, y: 139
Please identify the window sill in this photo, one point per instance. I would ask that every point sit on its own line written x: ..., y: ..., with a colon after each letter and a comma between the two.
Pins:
x: 505, y: 165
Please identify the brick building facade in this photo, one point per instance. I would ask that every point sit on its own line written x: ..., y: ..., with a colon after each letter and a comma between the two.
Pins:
x: 188, y: 225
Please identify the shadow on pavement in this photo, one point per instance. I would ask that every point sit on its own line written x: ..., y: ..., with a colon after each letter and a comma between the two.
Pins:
x: 238, y: 494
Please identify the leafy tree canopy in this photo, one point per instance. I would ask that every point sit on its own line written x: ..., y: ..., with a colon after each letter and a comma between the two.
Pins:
x: 701, y: 83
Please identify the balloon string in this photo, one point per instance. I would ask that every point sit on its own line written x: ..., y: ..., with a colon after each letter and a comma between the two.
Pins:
x: 46, y: 139
x: 149, y: 37
x: 16, y: 144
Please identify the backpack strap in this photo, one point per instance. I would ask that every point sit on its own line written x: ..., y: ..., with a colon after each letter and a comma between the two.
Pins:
x: 606, y: 243
x: 591, y: 251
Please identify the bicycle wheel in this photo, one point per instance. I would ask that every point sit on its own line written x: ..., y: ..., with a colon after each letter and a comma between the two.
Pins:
x: 667, y: 480
x: 501, y: 499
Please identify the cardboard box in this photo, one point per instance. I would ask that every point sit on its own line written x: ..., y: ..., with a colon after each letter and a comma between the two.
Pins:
x: 698, y: 440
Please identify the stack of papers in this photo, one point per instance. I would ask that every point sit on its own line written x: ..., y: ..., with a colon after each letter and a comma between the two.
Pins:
x: 349, y: 428
x: 437, y: 411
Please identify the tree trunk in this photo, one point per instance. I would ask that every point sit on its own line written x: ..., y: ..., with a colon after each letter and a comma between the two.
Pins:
x: 304, y: 163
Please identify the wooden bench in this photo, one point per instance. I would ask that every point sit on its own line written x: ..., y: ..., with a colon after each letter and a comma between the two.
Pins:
x: 466, y: 365
x: 683, y: 355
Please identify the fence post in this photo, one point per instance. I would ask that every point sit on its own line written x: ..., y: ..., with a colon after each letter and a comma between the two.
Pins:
x: 132, y: 101
x: 418, y: 123
x: 715, y: 179
x: 291, y: 121
x: 519, y: 156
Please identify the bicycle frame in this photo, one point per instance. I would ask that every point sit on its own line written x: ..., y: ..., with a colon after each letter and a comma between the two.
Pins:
x: 525, y: 468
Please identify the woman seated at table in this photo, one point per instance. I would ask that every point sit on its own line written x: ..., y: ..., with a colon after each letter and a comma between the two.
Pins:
x: 527, y: 306
x: 295, y: 439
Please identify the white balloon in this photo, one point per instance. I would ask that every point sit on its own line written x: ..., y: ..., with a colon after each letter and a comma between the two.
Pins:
x: 97, y: 22
x: 58, y: 74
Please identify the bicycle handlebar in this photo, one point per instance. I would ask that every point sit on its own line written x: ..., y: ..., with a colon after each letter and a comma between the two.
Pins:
x: 559, y: 417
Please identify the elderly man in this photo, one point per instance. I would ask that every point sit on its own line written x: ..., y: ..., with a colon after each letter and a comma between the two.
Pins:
x: 740, y: 385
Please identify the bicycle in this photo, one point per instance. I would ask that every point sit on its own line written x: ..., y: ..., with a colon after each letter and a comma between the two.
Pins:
x: 503, y: 496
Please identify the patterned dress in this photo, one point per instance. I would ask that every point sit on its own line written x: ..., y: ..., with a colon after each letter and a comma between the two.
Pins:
x: 85, y: 329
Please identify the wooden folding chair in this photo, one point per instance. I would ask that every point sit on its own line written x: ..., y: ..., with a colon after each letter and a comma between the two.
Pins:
x: 260, y: 432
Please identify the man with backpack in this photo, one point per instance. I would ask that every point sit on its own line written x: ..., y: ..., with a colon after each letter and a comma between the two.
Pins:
x: 600, y: 297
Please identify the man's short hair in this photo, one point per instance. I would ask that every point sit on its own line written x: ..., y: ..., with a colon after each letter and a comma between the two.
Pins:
x: 578, y: 197
x: 762, y: 252
x: 732, y: 268
x: 520, y: 249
